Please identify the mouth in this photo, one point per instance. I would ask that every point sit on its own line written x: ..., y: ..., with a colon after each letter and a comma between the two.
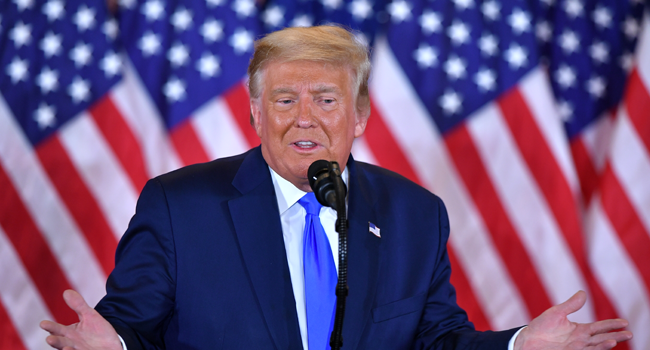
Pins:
x: 305, y: 145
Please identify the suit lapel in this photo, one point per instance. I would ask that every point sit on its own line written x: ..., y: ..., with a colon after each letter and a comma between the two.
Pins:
x: 256, y: 219
x: 363, y: 257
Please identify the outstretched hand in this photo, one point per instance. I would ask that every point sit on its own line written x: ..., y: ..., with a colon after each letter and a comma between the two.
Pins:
x: 553, y: 331
x: 92, y: 332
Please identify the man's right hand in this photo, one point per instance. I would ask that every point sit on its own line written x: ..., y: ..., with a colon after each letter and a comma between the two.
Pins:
x: 92, y: 332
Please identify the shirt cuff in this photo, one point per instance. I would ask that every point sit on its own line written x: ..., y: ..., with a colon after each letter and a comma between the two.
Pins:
x: 511, y: 343
x: 124, y: 345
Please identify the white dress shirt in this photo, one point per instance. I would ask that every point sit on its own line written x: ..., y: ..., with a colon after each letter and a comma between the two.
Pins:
x: 292, y: 217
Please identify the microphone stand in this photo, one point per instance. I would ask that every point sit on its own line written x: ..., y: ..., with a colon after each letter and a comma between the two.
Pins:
x: 336, y: 339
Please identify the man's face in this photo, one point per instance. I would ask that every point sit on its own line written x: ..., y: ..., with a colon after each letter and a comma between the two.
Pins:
x: 306, y: 112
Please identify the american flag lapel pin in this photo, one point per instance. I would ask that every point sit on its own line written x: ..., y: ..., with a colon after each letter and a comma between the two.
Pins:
x: 373, y: 229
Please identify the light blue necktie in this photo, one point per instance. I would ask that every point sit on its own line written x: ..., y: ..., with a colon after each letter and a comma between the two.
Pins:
x: 320, y: 277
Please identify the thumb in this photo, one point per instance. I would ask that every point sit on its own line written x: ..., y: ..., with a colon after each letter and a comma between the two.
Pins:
x: 573, y: 304
x: 77, y: 303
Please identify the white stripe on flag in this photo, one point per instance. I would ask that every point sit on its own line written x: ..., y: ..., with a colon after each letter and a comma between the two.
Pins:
x: 20, y: 297
x: 100, y: 170
x: 362, y: 152
x: 536, y: 90
x: 631, y: 164
x: 217, y: 131
x: 140, y: 113
x: 618, y: 274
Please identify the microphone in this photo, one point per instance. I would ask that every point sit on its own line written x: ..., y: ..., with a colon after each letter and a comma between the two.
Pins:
x: 321, y: 175
x: 330, y: 190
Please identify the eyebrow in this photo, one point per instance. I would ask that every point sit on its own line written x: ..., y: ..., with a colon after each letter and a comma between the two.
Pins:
x: 318, y: 89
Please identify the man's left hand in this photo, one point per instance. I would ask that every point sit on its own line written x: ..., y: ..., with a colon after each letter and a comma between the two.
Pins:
x: 553, y: 331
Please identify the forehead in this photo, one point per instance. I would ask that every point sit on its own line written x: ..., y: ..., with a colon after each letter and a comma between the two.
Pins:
x: 280, y: 76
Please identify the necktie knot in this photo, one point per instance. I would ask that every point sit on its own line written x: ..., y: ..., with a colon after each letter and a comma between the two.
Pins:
x: 310, y: 203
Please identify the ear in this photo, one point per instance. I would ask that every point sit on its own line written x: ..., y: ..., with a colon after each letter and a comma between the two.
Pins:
x: 363, y: 114
x: 256, y: 116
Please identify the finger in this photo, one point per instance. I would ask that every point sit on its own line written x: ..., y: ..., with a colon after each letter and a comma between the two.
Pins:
x: 607, y: 325
x: 616, y: 336
x: 76, y: 302
x: 52, y: 327
x: 573, y: 304
x: 606, y: 345
x: 58, y: 342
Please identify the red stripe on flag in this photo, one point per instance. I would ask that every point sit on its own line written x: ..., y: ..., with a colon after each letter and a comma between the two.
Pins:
x: 34, y: 251
x: 121, y: 139
x: 79, y: 201
x: 587, y: 174
x: 637, y: 103
x: 477, y: 181
x: 550, y: 179
x: 386, y: 149
x: 9, y: 338
x: 238, y: 103
x: 187, y: 144
x: 465, y: 296
x: 626, y: 222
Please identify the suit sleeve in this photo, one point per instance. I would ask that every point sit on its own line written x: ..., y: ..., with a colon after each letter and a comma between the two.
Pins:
x: 444, y: 325
x: 140, y: 291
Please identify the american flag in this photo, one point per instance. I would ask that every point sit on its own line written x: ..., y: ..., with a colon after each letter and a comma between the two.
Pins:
x: 531, y: 119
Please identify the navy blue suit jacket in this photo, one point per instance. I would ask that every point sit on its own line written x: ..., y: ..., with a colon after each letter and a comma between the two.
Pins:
x: 203, y: 265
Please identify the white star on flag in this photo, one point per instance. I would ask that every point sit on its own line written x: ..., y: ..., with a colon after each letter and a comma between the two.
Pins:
x: 491, y: 10
x: 458, y: 33
x: 111, y: 64
x: 360, y: 9
x: 244, y: 8
x: 84, y: 18
x: 455, y: 68
x: 153, y: 10
x: 53, y: 10
x: 149, y: 44
x: 451, y: 102
x: 181, y: 19
x: 426, y: 56
x: 516, y: 56
x: 45, y: 116
x: 81, y: 54
x: 273, y: 16
x: 48, y: 80
x: 208, y: 65
x: 79, y: 90
x: 21, y: 34
x: 519, y: 21
x: 400, y: 11
x: 17, y: 70
x: 174, y: 89
x: 212, y: 30
x: 51, y: 45
x: 241, y: 41
x: 430, y: 22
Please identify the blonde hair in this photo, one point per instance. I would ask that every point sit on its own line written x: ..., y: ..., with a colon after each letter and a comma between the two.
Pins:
x: 327, y: 44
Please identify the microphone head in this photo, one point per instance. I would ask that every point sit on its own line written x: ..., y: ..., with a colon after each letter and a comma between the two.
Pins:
x: 315, y: 171
x: 321, y: 183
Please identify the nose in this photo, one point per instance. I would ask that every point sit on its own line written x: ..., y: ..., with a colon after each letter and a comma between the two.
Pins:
x: 306, y: 117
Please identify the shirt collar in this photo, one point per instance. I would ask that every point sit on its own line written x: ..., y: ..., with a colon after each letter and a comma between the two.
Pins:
x: 287, y: 194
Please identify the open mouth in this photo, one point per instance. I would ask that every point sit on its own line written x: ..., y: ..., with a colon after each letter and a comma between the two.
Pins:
x: 305, y: 144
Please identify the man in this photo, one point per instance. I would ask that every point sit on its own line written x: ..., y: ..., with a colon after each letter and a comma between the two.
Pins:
x: 213, y: 256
